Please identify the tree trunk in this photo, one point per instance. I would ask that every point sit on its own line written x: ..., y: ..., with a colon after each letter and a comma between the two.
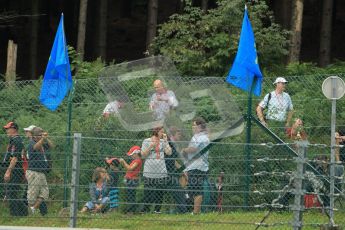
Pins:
x: 34, y: 39
x: 126, y: 8
x: 204, y: 5
x: 151, y: 22
x: 102, y: 32
x: 326, y: 33
x: 180, y: 6
x: 296, y: 30
x: 11, y: 61
x: 82, y: 28
x: 282, y: 12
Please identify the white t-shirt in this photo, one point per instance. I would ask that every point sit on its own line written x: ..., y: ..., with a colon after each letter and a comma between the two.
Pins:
x: 154, y: 165
x: 162, y: 108
x: 278, y: 106
x: 112, y: 108
x: 198, y: 141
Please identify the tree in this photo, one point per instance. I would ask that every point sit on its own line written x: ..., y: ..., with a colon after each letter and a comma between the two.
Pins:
x: 282, y: 10
x: 102, y: 32
x: 204, y: 5
x: 152, y: 9
x: 82, y: 28
x: 296, y: 31
x: 326, y: 33
x: 206, y: 43
x: 34, y: 39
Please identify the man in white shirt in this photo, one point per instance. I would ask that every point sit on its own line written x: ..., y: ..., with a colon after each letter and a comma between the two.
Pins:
x: 112, y: 108
x: 162, y: 100
x: 196, y: 163
x: 278, y: 103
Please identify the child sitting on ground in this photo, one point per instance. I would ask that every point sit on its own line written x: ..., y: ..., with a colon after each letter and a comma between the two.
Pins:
x: 132, y: 177
x: 98, y: 191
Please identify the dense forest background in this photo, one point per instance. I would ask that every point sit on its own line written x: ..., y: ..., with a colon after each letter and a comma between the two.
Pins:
x: 122, y: 30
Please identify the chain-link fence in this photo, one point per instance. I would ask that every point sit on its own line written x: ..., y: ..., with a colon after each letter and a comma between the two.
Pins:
x: 251, y: 180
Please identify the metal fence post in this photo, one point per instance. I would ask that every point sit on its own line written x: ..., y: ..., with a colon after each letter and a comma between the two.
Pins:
x: 298, y: 206
x: 68, y: 144
x: 75, y: 180
x: 247, y: 148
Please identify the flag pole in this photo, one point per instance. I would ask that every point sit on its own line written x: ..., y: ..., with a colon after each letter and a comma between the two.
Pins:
x: 245, y: 74
x: 248, y: 147
x: 68, y: 145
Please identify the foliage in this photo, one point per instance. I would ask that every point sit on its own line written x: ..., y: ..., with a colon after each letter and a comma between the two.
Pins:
x: 84, y: 69
x: 206, y: 43
x: 307, y: 68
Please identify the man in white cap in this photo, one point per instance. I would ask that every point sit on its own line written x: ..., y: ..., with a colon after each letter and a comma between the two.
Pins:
x: 28, y: 131
x: 278, y: 104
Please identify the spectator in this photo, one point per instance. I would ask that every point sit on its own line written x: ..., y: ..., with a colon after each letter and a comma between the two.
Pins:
x: 279, y: 106
x: 174, y: 169
x: 162, y: 100
x: 340, y: 140
x: 14, y: 175
x: 113, y: 171
x: 28, y: 133
x: 38, y: 190
x: 132, y: 176
x: 154, y: 150
x: 197, y: 162
x: 112, y: 108
x: 99, y: 191
x: 297, y: 132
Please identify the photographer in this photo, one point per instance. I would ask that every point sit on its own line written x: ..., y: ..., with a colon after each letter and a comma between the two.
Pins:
x: 153, y: 150
x: 132, y: 176
x: 38, y: 190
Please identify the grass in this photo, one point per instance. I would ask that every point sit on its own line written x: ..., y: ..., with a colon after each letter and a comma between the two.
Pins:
x: 229, y: 220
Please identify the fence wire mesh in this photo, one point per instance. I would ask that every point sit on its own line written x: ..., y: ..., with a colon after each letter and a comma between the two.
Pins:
x: 247, y: 183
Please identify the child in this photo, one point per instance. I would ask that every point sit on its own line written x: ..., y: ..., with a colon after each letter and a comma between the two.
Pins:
x: 113, y: 171
x: 132, y: 176
x: 98, y: 191
x: 297, y: 132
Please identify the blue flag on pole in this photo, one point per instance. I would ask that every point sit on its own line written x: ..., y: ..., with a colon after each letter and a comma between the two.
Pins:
x: 57, y: 79
x: 246, y: 67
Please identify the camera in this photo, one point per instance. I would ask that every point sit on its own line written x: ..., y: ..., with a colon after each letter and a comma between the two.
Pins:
x: 112, y: 161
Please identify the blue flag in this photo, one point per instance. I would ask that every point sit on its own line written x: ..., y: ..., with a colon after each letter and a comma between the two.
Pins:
x: 246, y: 67
x: 57, y: 79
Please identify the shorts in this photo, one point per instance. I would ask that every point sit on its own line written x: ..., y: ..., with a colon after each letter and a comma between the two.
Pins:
x: 37, y: 186
x: 196, y: 180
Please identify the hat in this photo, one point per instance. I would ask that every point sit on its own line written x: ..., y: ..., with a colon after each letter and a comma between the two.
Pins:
x: 280, y: 79
x: 11, y: 124
x: 133, y: 150
x: 37, y: 131
x: 30, y: 128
